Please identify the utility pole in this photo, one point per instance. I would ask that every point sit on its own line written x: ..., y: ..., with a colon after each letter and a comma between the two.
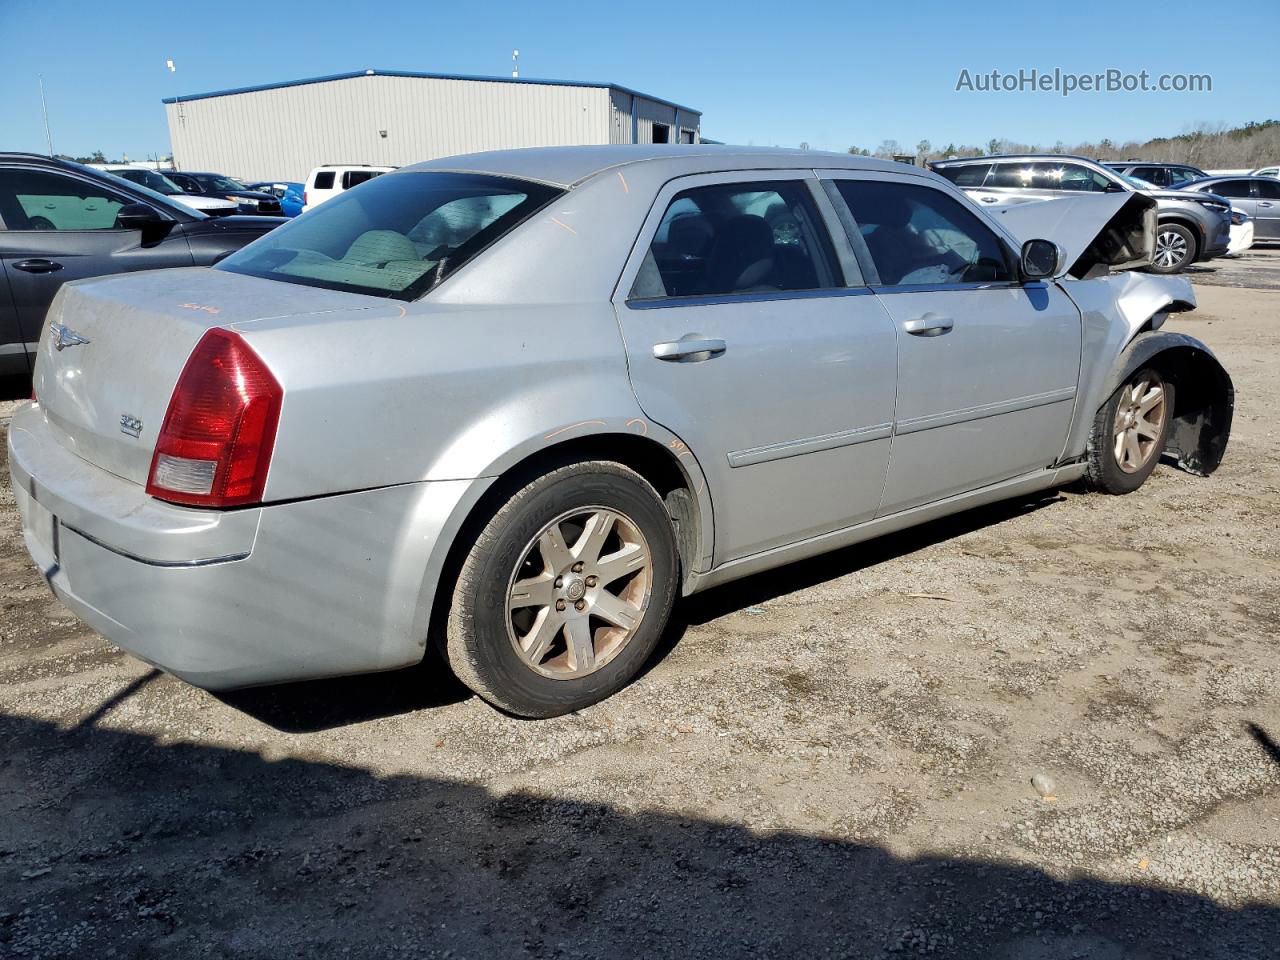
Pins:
x: 44, y: 108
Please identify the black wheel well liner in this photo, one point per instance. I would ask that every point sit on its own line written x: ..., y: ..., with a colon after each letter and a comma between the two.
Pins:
x: 1204, y: 396
x: 645, y: 456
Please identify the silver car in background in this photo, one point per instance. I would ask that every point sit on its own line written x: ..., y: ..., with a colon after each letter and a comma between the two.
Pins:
x: 1256, y: 197
x: 1189, y: 230
x: 516, y: 403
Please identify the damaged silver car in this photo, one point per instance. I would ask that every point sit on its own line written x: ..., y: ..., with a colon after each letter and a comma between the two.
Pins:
x: 517, y: 403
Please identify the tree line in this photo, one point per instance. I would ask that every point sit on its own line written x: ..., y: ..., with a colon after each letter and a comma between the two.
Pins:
x: 1255, y: 144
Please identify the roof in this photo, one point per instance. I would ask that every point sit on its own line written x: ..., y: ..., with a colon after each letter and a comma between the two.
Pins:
x: 957, y: 161
x: 426, y: 76
x: 566, y: 166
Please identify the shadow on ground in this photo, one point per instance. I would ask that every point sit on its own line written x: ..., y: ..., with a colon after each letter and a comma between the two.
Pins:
x: 324, y: 704
x: 116, y: 845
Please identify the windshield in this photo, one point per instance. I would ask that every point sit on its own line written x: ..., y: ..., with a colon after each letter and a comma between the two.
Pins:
x: 150, y: 179
x: 396, y: 236
x: 221, y: 183
x: 1138, y: 182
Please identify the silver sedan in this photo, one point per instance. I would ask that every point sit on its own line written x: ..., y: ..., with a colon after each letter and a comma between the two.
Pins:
x: 515, y: 404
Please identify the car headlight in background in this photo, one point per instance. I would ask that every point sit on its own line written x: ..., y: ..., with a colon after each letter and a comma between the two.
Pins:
x: 1214, y: 205
x: 1239, y: 219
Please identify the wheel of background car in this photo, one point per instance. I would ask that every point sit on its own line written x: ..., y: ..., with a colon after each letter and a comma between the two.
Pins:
x: 1129, y: 433
x: 40, y: 223
x: 1175, y: 248
x: 566, y: 591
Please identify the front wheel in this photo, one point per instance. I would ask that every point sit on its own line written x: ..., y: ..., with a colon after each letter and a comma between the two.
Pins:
x: 1175, y: 248
x: 566, y: 591
x: 1129, y: 433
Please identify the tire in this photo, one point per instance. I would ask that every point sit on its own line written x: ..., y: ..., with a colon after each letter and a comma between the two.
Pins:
x: 1114, y: 465
x: 519, y: 657
x: 1176, y: 249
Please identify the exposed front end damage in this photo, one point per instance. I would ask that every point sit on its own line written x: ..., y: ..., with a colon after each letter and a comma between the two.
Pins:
x: 1203, y: 396
x: 1097, y: 232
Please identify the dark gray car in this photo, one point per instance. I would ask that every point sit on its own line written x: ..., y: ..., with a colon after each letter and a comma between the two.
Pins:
x: 1190, y: 229
x: 62, y: 221
x: 1256, y: 197
x: 1170, y: 175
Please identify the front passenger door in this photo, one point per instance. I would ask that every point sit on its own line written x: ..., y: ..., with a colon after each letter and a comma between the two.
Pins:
x: 987, y: 366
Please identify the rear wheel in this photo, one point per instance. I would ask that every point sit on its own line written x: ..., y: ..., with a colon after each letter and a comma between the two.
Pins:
x: 566, y: 591
x: 1175, y: 248
x: 1129, y: 433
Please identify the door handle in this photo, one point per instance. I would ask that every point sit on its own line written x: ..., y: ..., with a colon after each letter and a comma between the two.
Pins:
x: 988, y: 199
x: 928, y: 325
x: 690, y: 348
x: 1264, y: 203
x: 37, y: 265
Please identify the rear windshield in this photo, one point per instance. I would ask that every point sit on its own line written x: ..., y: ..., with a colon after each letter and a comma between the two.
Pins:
x: 396, y: 236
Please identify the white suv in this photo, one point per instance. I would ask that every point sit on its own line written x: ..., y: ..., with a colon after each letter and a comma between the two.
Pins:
x: 327, y: 181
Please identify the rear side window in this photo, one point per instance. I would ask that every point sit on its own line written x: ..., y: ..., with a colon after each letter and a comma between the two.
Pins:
x: 397, y: 238
x: 324, y: 180
x: 352, y: 178
x: 1047, y: 175
x: 737, y: 238
x: 919, y: 235
x: 1179, y: 175
x: 969, y: 175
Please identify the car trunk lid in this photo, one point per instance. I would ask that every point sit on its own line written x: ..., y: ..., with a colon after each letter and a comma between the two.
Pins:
x: 113, y: 348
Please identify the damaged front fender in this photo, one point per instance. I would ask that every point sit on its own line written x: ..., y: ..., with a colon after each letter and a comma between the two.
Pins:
x: 1203, y: 395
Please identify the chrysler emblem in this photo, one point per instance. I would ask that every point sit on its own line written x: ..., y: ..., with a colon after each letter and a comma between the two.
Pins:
x: 64, y: 337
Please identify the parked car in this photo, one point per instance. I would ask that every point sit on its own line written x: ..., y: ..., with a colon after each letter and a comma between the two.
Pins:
x: 153, y: 180
x: 591, y: 379
x: 327, y: 181
x: 1189, y: 230
x: 288, y: 193
x: 1265, y: 172
x: 228, y: 188
x: 1256, y: 197
x: 1159, y: 174
x: 61, y: 221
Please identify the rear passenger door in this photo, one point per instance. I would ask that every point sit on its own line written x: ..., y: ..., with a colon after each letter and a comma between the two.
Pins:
x: 753, y: 339
x: 987, y: 366
x: 1268, y: 207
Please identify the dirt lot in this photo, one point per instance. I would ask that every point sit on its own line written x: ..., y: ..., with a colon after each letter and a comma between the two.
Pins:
x: 823, y: 762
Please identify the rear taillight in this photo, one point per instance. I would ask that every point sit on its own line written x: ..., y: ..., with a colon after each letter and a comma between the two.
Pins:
x: 215, y: 445
x: 304, y: 198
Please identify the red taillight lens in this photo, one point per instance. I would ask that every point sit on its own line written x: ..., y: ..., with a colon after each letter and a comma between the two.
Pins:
x: 215, y: 445
x: 304, y: 198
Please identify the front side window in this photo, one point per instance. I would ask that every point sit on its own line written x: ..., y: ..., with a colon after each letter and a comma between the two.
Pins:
x: 919, y: 235
x: 35, y: 200
x: 1267, y: 190
x: 397, y: 238
x: 216, y: 184
x: 1157, y: 175
x: 737, y: 238
x: 185, y: 183
x: 1180, y: 175
x: 1047, y: 175
x: 150, y: 179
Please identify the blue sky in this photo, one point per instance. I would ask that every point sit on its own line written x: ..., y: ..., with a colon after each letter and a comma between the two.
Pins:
x: 831, y: 74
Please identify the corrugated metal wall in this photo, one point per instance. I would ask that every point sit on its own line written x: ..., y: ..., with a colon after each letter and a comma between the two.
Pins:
x: 648, y: 112
x: 284, y: 132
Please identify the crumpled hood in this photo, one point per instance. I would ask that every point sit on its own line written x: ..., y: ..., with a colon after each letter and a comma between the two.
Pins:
x: 1096, y: 231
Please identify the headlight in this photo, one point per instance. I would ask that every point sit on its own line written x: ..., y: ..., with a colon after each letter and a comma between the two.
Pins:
x: 1214, y: 205
x: 1239, y: 219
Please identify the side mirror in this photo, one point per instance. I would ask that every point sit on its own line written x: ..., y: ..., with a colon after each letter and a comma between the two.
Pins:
x: 136, y: 216
x: 1113, y: 187
x: 1041, y: 259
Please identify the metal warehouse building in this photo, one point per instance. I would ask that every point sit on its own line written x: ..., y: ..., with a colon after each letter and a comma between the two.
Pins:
x: 392, y: 118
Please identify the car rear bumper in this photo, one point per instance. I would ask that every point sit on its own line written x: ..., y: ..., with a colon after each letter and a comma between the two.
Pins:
x: 233, y: 598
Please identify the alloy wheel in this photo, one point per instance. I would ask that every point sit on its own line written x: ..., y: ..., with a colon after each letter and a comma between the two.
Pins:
x: 1171, y: 248
x: 1139, y: 424
x: 579, y: 592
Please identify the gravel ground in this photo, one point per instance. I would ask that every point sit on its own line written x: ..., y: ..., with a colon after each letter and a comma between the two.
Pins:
x: 835, y: 759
